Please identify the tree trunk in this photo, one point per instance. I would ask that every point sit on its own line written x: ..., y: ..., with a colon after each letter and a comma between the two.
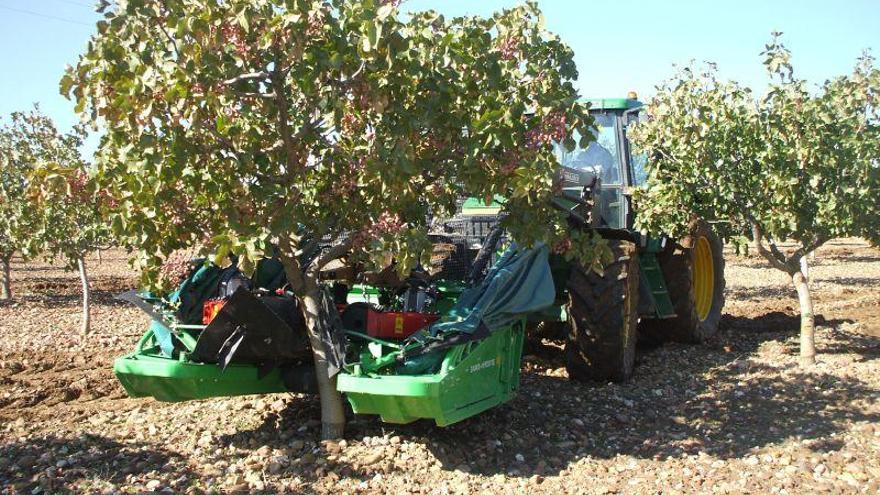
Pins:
x: 5, y: 281
x: 86, y: 296
x: 332, y: 408
x: 808, y: 324
x: 805, y: 268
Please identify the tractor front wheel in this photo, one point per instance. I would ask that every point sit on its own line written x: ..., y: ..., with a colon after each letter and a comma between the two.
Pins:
x: 695, y: 281
x: 602, y: 318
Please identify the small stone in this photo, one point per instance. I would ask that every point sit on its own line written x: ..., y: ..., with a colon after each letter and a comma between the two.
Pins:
x: 520, y: 458
x: 274, y: 467
x: 153, y: 485
x: 331, y: 446
x: 371, y: 459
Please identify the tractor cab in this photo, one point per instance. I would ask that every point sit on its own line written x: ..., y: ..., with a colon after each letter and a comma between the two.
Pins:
x: 606, y: 166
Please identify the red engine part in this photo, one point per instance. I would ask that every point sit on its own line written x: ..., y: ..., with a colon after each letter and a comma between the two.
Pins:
x: 396, y: 325
x: 210, y: 309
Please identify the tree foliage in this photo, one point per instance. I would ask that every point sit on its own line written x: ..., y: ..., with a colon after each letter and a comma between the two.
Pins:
x: 230, y: 123
x: 795, y: 164
x: 71, y: 209
x: 29, y: 141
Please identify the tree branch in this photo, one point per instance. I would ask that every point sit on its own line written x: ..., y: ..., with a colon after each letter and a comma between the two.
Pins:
x: 277, y: 78
x: 758, y: 239
x: 167, y: 35
x: 292, y: 267
x: 249, y: 76
x: 255, y: 94
x: 334, y: 253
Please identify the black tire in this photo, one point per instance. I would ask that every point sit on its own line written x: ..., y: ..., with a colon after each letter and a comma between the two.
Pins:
x: 689, y: 326
x: 602, y: 318
x: 552, y: 330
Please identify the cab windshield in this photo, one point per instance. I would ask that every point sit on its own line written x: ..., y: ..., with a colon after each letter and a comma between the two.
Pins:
x: 602, y: 155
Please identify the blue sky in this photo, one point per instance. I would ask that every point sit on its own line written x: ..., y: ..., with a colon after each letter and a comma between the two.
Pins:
x: 619, y: 45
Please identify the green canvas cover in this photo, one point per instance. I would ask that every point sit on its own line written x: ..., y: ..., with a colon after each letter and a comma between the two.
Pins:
x: 520, y: 282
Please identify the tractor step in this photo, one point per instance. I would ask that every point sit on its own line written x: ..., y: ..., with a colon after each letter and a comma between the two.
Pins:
x: 652, y: 273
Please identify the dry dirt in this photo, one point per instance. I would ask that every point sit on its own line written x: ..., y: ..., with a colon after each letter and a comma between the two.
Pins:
x: 736, y: 415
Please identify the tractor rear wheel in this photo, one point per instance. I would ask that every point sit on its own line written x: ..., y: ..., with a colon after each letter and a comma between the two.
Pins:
x: 602, y: 318
x: 695, y: 282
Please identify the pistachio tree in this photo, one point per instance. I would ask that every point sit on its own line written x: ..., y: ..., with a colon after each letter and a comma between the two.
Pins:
x: 71, y: 221
x: 236, y: 124
x: 26, y: 140
x: 798, y: 166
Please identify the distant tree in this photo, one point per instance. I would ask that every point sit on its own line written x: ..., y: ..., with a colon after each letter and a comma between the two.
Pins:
x: 71, y: 223
x: 794, y: 165
x: 234, y: 124
x: 26, y: 140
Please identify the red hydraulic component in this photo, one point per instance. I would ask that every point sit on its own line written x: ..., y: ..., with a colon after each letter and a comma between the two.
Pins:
x: 396, y: 325
x: 210, y: 309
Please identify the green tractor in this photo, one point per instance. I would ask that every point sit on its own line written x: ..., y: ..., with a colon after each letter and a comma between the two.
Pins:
x: 445, y: 343
x: 657, y: 289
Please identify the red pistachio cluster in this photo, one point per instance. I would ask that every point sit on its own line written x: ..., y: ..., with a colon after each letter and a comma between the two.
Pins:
x: 511, y: 161
x: 347, y: 183
x: 236, y: 36
x: 175, y: 268
x: 315, y: 26
x: 509, y: 48
x: 388, y: 223
x: 78, y: 184
x: 551, y: 129
x: 563, y: 246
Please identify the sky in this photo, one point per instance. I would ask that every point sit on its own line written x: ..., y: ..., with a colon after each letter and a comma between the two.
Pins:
x: 619, y: 45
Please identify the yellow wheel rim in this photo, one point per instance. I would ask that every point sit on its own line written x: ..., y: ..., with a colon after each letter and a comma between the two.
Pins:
x: 704, y: 278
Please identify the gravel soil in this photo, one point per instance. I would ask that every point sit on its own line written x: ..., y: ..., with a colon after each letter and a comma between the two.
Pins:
x: 736, y: 415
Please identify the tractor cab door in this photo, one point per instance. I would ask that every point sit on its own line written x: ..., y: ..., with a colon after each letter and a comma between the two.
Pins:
x: 603, y: 157
x: 635, y: 163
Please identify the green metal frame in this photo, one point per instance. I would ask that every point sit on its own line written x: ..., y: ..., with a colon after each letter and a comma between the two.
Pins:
x: 146, y: 372
x: 472, y: 378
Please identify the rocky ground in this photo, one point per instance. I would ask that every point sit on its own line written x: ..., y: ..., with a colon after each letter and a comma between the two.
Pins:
x: 736, y: 415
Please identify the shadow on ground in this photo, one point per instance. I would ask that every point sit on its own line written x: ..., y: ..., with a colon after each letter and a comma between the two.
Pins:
x: 53, y: 292
x: 79, y: 460
x: 683, y: 400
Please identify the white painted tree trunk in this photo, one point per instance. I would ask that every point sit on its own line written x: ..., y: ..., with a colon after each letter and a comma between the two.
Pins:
x: 86, y: 297
x: 5, y: 279
x: 808, y: 322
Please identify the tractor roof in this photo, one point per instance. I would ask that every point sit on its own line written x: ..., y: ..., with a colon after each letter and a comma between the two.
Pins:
x: 612, y: 103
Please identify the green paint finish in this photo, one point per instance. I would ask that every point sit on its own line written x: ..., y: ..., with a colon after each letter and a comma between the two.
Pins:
x: 473, y: 377
x: 474, y: 206
x: 147, y: 373
x: 612, y: 103
x: 363, y: 293
x: 654, y: 275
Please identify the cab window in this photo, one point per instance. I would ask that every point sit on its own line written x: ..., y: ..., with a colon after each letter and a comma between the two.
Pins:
x: 602, y: 155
